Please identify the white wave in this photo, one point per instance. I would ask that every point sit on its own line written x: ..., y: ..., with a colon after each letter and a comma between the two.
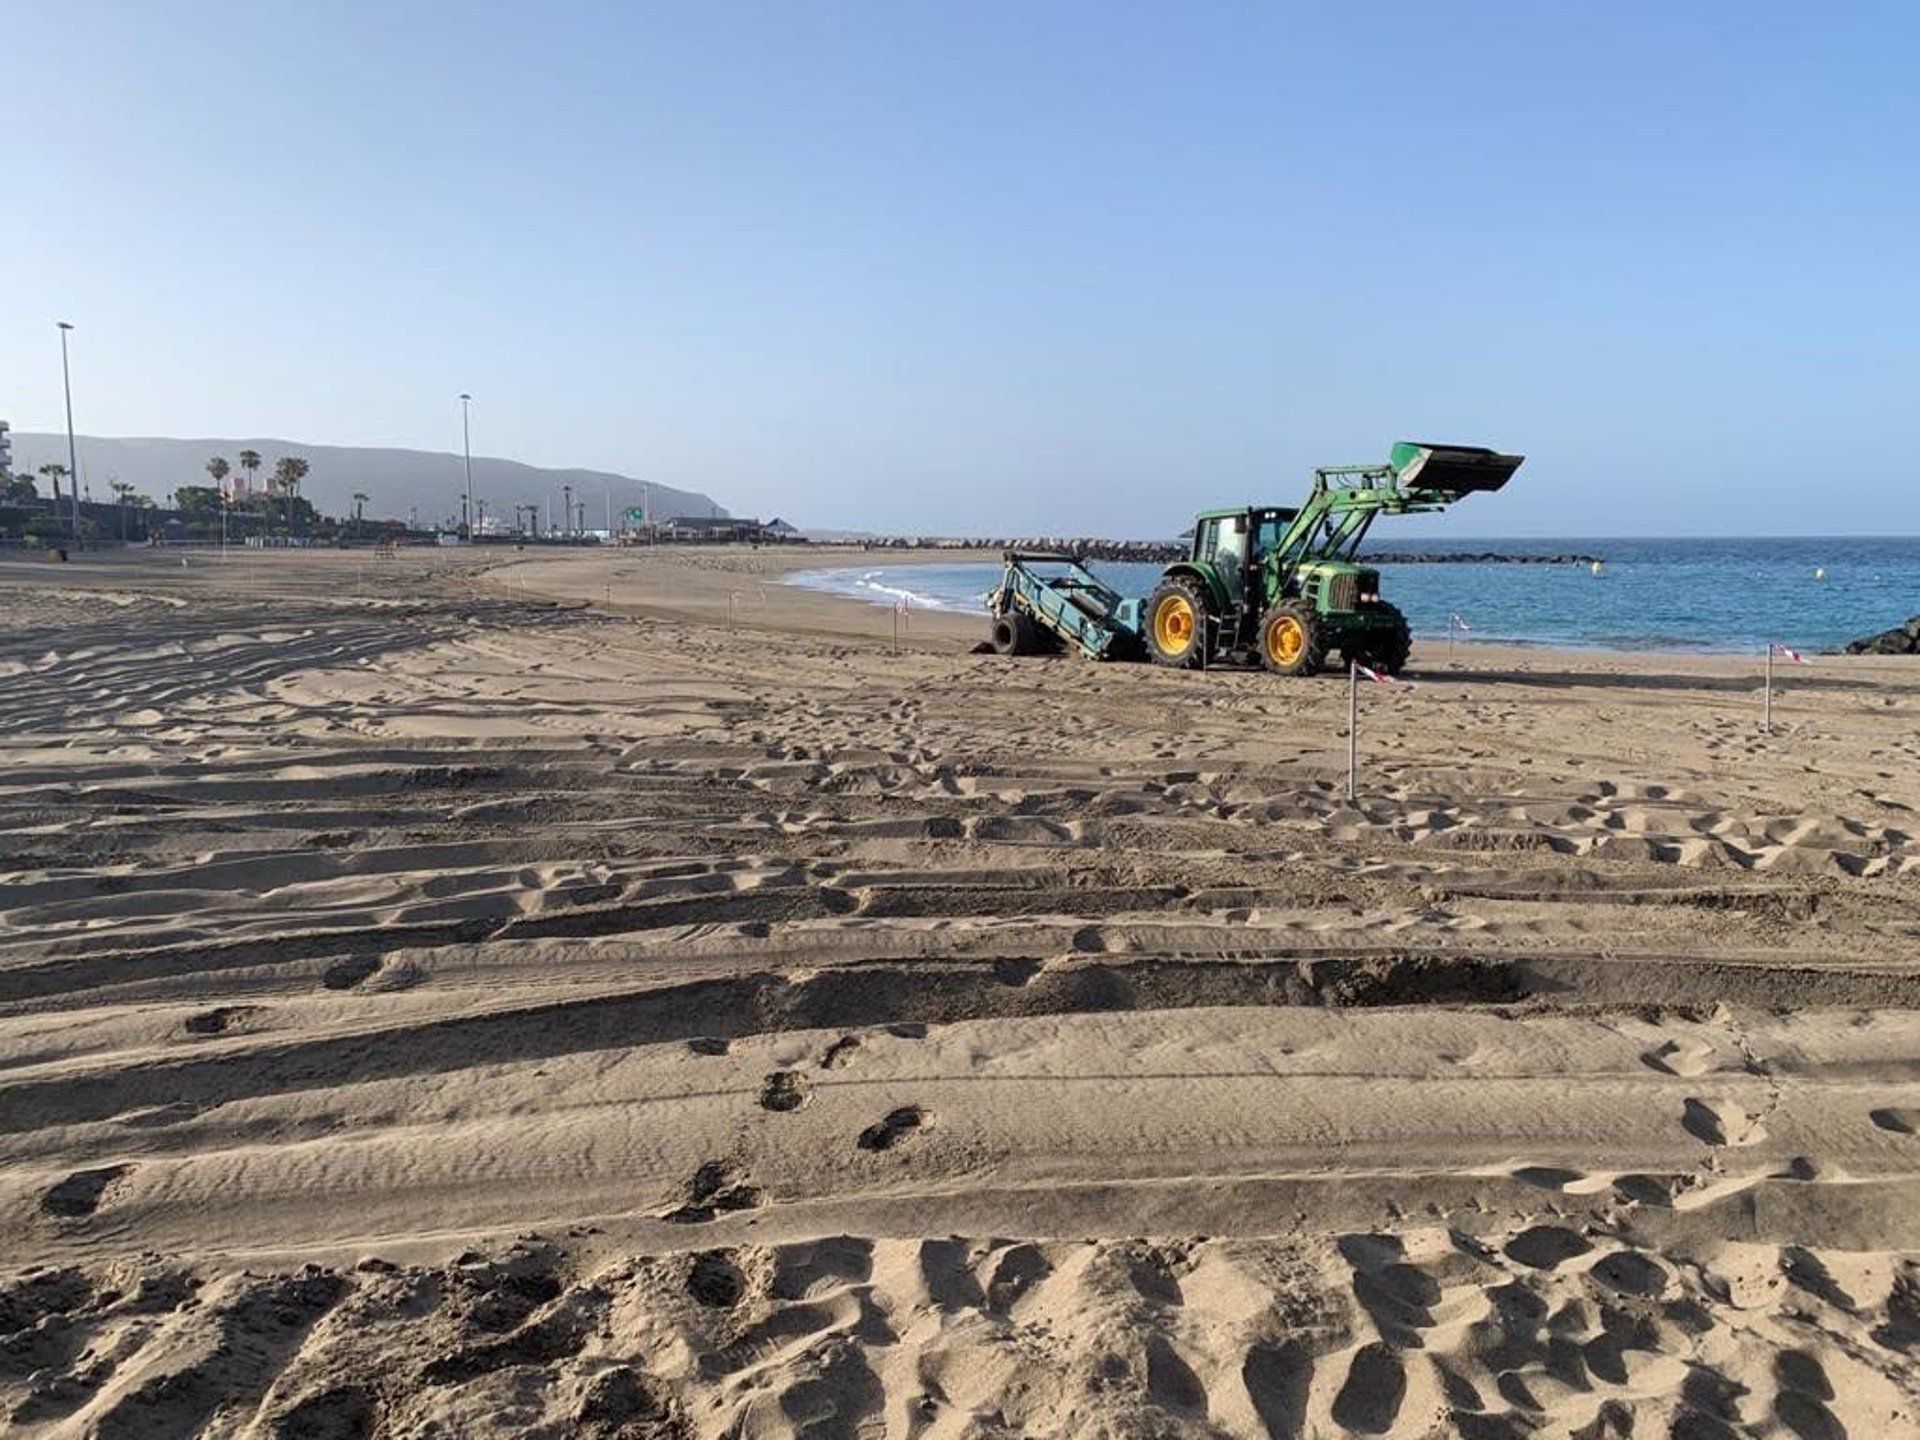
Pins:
x: 878, y: 587
x: 873, y: 584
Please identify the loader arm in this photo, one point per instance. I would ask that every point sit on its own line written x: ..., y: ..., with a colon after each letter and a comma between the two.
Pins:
x: 1344, y: 503
x: 1347, y: 499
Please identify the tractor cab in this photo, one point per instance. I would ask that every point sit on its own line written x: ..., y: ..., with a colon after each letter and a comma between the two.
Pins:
x: 1231, y: 549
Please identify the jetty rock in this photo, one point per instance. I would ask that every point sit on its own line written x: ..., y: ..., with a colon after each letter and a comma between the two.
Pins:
x: 1901, y: 640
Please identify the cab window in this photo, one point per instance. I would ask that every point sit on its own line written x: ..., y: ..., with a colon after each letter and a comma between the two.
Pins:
x: 1205, y: 539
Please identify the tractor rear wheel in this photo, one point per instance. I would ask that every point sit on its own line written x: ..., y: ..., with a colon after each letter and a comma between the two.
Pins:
x: 1292, y: 641
x: 1015, y: 634
x: 1175, y: 627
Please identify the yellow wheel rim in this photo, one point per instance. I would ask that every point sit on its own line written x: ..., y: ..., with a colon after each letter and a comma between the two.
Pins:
x: 1286, y: 639
x: 1173, y: 624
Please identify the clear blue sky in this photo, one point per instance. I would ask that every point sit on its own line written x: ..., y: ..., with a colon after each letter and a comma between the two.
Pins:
x: 963, y: 267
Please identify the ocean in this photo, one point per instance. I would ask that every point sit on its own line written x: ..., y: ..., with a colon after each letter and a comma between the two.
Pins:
x: 1699, y: 595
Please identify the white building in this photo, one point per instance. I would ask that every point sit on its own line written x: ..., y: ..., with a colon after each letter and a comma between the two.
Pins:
x: 6, y: 449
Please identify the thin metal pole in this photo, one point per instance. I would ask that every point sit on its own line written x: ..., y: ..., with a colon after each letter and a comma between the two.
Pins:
x: 1450, y: 619
x: 1766, y: 704
x: 1353, y: 730
x: 73, y: 454
x: 466, y: 450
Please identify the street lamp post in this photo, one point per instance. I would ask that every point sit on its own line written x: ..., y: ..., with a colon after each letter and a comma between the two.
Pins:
x: 466, y: 450
x: 73, y: 459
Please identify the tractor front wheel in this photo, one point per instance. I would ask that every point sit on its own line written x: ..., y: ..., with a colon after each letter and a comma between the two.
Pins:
x: 1391, y: 651
x: 1291, y: 640
x: 1176, y: 625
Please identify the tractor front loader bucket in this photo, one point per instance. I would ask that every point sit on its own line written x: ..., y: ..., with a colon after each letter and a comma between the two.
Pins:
x: 1450, y: 469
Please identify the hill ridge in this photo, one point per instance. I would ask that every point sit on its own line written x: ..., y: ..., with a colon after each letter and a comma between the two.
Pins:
x: 397, y: 479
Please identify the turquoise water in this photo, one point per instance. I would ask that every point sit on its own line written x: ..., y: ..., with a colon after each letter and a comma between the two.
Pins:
x: 1649, y: 595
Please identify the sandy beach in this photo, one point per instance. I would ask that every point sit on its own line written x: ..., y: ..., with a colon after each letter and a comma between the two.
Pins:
x: 619, y: 994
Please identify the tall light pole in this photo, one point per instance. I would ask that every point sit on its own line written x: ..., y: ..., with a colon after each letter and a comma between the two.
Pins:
x: 73, y: 457
x: 466, y: 449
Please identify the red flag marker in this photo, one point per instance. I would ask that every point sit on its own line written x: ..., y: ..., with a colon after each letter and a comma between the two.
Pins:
x: 1378, y: 678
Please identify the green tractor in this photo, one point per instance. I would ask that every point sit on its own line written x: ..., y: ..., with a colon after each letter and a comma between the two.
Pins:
x: 1280, y: 586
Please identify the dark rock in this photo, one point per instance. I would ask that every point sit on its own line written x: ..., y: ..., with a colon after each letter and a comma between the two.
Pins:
x: 1901, y: 640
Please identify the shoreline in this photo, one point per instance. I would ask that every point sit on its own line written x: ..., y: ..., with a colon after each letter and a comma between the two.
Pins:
x: 693, y: 583
x: 1423, y: 638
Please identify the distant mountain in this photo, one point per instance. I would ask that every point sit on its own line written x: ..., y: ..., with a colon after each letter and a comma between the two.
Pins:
x: 396, y: 482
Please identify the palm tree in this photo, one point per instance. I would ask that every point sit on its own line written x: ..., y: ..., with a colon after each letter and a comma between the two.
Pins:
x: 54, y: 471
x: 249, y: 462
x: 359, y: 509
x: 121, y: 490
x: 218, y: 468
x: 288, y: 472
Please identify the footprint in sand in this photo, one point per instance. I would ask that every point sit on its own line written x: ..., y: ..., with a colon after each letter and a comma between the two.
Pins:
x: 1721, y: 1122
x: 783, y: 1090
x: 345, y: 974
x: 1171, y: 1381
x: 1680, y: 1057
x: 1017, y: 1271
x: 1277, y: 1377
x: 840, y: 1052
x: 889, y: 1132
x: 1628, y: 1272
x: 716, y: 1188
x: 1899, y: 1121
x: 618, y: 1402
x: 716, y: 1280
x: 1641, y: 1189
x: 80, y: 1194
x: 1547, y: 1247
x: 1009, y: 970
x: 1549, y: 1177
x: 1800, y: 1402
x: 225, y: 1020
x: 1370, y: 1399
